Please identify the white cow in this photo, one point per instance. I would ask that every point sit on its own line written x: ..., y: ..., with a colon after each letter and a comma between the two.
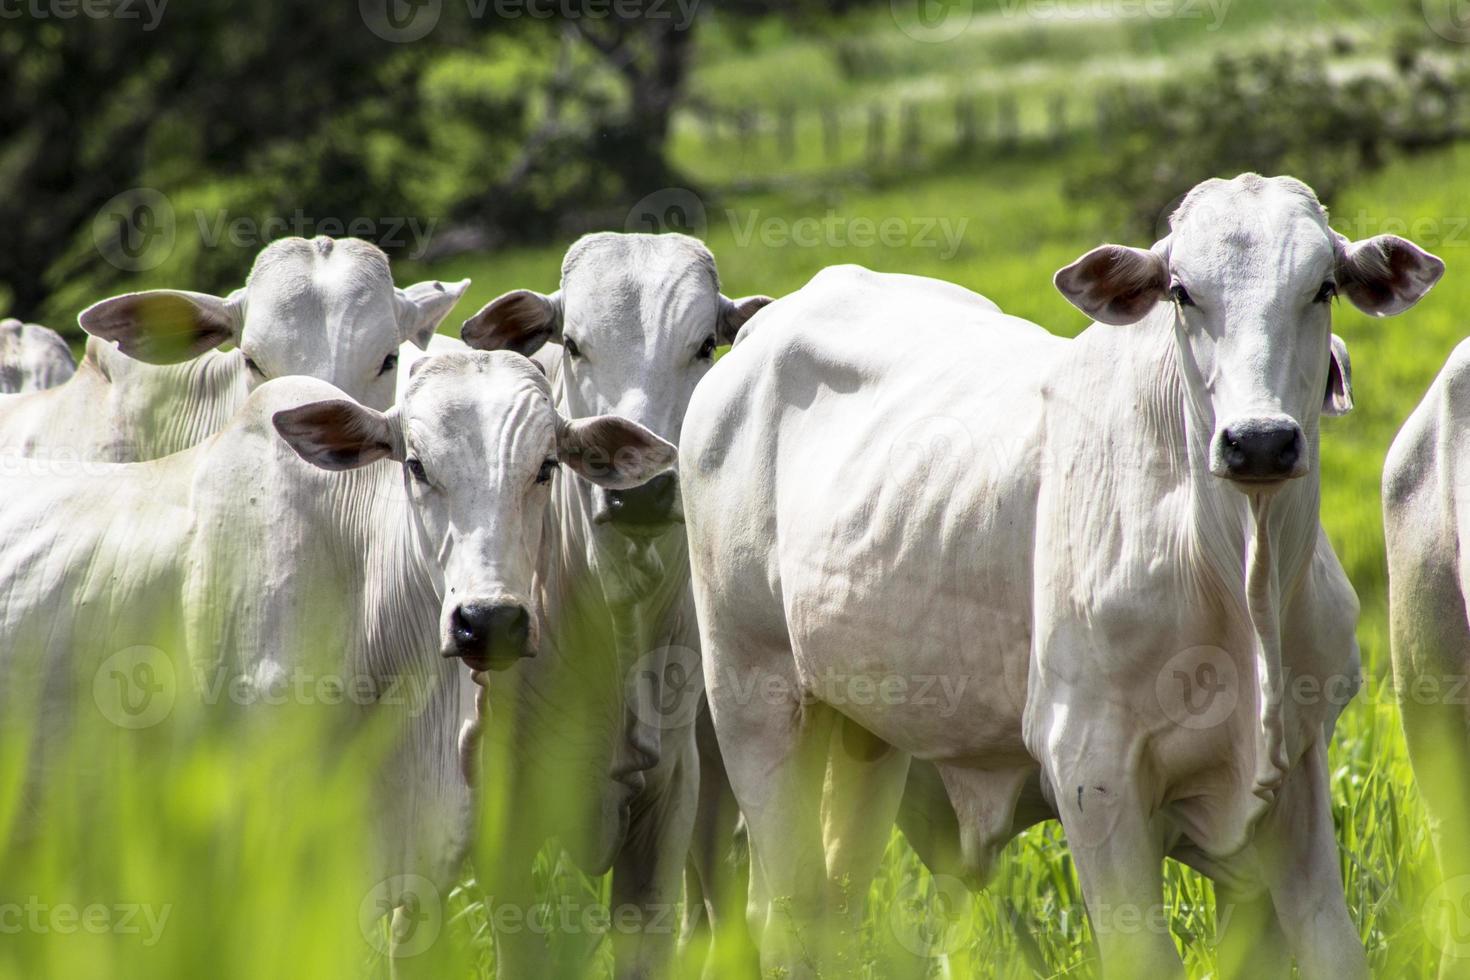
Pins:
x: 362, y: 545
x: 1425, y: 479
x: 32, y: 357
x: 1108, y: 548
x: 324, y: 308
x: 595, y: 740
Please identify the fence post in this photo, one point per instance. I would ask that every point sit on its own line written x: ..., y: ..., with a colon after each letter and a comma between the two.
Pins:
x: 786, y: 133
x: 877, y: 123
x: 912, y: 135
x: 1007, y: 122
x: 964, y: 121
x: 831, y: 134
x: 1057, y: 118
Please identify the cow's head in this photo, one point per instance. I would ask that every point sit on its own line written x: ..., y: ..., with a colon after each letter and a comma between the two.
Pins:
x: 1249, y: 272
x: 325, y: 308
x: 638, y: 318
x: 479, y: 443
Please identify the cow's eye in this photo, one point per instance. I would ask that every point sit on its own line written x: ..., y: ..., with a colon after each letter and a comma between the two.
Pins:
x: 706, y: 349
x: 416, y: 470
x: 1325, y: 294
x: 570, y: 346
x: 547, y: 471
x: 252, y: 367
x: 1181, y: 295
x: 389, y: 363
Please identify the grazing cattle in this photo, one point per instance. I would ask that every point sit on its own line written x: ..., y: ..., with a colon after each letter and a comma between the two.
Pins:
x: 32, y: 357
x: 367, y: 546
x: 579, y: 739
x: 325, y: 308
x: 1107, y: 547
x: 1426, y: 515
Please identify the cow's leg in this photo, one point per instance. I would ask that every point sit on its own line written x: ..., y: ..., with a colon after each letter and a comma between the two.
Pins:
x: 1431, y: 658
x: 865, y: 781
x: 928, y: 821
x: 1298, y: 857
x: 1119, y: 849
x: 775, y: 749
x: 1251, y: 944
x: 717, y: 880
x: 647, y: 870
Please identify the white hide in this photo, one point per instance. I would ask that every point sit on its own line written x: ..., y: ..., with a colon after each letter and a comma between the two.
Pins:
x: 1034, y: 529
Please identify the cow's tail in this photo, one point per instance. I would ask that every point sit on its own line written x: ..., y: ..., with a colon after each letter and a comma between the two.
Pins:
x: 1264, y: 608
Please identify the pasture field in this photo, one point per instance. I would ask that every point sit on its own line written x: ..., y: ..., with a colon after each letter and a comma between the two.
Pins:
x: 126, y: 876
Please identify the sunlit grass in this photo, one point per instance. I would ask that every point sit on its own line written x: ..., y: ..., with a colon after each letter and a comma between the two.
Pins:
x: 257, y: 847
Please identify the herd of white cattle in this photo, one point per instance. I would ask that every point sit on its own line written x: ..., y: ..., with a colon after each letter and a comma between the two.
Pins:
x: 1105, y: 552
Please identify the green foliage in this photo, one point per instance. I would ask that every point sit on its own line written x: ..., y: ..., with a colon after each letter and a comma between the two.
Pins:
x: 1286, y: 111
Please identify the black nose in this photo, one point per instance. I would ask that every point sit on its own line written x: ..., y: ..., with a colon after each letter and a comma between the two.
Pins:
x: 490, y: 635
x: 648, y: 505
x: 1261, y: 450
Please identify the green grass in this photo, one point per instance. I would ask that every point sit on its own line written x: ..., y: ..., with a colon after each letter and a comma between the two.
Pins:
x: 257, y: 854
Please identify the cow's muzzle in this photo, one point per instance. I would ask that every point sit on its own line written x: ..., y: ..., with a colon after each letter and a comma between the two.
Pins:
x: 490, y: 635
x: 647, y: 509
x: 1257, y: 450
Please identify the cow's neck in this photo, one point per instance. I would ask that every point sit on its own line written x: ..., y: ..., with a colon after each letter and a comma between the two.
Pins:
x: 165, y: 409
x: 626, y: 579
x: 615, y: 606
x: 401, y: 585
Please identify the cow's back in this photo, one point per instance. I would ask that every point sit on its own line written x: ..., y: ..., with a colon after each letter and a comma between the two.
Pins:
x: 876, y: 430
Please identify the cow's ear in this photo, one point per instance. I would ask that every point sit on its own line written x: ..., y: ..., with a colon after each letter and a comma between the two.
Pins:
x: 423, y: 306
x: 520, y: 321
x: 1339, y: 397
x: 166, y: 326
x: 734, y: 313
x: 340, y: 434
x: 1114, y: 283
x: 1385, y: 274
x: 612, y: 451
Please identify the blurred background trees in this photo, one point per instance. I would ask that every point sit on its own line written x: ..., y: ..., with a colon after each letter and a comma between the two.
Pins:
x: 528, y: 121
x: 496, y: 123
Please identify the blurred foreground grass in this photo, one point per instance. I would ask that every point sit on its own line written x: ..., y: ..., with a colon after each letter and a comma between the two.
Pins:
x: 246, y: 859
